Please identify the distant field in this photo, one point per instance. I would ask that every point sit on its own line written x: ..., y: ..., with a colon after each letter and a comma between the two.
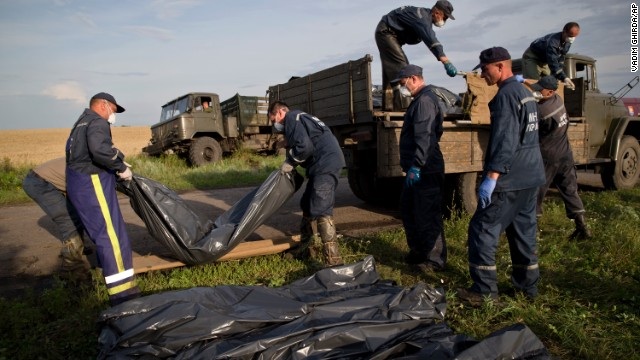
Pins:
x: 36, y: 146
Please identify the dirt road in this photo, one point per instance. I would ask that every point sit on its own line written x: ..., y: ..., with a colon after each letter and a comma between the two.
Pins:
x: 29, y: 244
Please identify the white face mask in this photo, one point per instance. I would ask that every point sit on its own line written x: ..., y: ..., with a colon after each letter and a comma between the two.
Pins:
x: 278, y: 127
x: 112, y: 116
x: 571, y: 39
x: 404, y: 91
x: 439, y: 23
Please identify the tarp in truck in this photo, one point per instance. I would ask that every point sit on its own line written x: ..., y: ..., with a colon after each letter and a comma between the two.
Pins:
x: 195, y: 238
x: 343, y: 312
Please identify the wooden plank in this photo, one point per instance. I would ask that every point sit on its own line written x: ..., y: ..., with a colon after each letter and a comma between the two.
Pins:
x: 144, y: 263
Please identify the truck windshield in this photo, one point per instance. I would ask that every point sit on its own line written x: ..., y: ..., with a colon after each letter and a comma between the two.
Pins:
x: 174, y: 108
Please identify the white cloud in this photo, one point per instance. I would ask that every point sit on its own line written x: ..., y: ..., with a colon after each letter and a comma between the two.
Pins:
x: 85, y: 18
x: 67, y: 90
x: 152, y: 32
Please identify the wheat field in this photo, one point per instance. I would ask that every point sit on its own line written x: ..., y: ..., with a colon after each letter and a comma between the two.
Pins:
x: 35, y: 146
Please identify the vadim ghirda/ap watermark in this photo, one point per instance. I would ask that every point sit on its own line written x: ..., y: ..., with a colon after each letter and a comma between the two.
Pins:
x: 634, y: 38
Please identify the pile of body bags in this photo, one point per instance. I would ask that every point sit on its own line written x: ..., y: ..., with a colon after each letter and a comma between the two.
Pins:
x: 342, y: 312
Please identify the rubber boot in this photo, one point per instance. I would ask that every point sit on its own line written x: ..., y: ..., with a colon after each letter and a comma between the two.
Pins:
x: 73, y: 267
x: 330, y: 250
x: 582, y: 232
x: 307, y: 240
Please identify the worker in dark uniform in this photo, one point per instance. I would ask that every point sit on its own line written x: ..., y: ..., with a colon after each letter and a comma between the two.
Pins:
x: 557, y: 155
x: 409, y: 25
x: 46, y: 185
x: 93, y: 165
x: 545, y: 55
x: 422, y: 161
x: 513, y: 172
x: 312, y: 145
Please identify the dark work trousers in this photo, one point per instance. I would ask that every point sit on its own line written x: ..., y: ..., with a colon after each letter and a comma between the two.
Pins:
x: 96, y: 200
x: 319, y: 196
x: 54, y: 203
x: 515, y: 213
x: 421, y: 206
x: 393, y: 59
x: 562, y: 174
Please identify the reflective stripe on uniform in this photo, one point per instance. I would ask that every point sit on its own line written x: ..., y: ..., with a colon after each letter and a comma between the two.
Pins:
x: 484, y: 267
x: 106, y: 214
x: 119, y: 276
x: 120, y: 288
x: 527, y: 267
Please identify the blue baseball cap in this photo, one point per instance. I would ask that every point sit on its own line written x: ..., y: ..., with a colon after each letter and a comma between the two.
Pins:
x: 408, y: 70
x: 109, y: 98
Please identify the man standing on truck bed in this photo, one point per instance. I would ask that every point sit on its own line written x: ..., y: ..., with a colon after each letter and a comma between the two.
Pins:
x: 557, y: 155
x: 312, y: 145
x: 409, y: 25
x: 422, y: 161
x: 545, y: 55
x: 513, y: 172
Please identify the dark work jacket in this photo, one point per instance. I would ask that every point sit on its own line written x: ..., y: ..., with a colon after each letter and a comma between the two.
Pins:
x: 90, y: 149
x: 421, y: 131
x: 554, y: 123
x: 413, y: 24
x: 311, y: 144
x: 552, y: 50
x: 513, y: 148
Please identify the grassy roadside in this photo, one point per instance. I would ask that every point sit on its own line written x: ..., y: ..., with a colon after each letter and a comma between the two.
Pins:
x: 589, y: 304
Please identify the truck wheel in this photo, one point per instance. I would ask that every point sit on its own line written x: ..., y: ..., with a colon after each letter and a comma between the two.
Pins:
x: 204, y: 150
x: 461, y: 193
x: 623, y: 174
x: 376, y: 191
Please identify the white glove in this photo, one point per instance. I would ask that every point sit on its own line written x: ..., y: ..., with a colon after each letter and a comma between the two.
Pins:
x: 569, y: 84
x: 286, y: 167
x: 126, y: 175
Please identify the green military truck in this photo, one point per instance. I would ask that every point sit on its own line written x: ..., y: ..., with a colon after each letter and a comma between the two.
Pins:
x: 602, y: 135
x: 200, y: 128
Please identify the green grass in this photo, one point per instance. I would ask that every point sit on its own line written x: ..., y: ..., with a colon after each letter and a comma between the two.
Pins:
x: 588, y: 308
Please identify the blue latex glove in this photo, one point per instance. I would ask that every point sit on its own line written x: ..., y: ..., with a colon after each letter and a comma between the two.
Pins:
x: 520, y: 78
x: 485, y: 190
x: 451, y: 70
x: 413, y: 176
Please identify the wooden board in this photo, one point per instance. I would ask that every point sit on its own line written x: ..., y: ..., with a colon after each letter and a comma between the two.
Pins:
x: 144, y: 263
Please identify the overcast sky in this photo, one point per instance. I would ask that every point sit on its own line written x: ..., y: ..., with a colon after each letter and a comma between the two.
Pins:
x: 56, y: 54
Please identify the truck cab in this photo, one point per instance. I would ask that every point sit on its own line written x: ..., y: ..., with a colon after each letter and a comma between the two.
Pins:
x: 611, y: 141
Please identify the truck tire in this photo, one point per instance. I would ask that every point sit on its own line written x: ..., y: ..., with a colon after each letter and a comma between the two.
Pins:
x: 461, y: 193
x: 204, y: 150
x: 623, y: 174
x: 376, y: 191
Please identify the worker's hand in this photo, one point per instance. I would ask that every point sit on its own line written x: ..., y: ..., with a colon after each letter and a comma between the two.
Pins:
x: 286, y: 167
x: 485, y: 190
x: 126, y: 175
x: 413, y: 176
x: 569, y: 84
x: 451, y: 70
x: 520, y: 78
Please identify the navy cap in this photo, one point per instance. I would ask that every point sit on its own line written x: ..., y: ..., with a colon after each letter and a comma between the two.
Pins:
x: 109, y: 98
x: 408, y: 70
x: 446, y: 8
x: 492, y: 55
x: 546, y: 82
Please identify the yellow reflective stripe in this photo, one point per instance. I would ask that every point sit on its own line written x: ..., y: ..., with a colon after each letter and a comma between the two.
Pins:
x: 111, y: 232
x: 120, y: 288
